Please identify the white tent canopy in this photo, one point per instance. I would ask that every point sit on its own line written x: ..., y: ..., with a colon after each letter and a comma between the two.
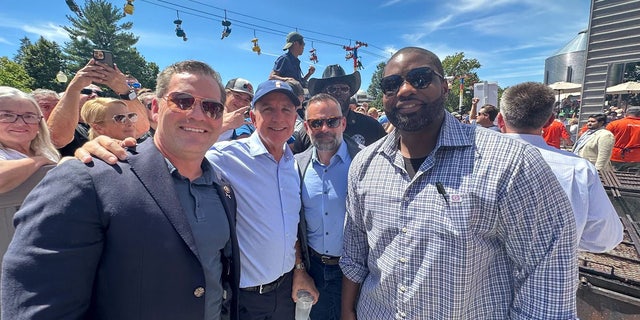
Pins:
x: 624, y: 88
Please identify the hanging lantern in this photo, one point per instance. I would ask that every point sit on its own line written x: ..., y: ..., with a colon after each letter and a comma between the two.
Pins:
x: 61, y: 77
x: 128, y: 7
x: 256, y: 47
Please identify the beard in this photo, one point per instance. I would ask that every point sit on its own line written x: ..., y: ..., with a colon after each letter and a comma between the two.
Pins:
x: 416, y: 121
x: 331, y: 144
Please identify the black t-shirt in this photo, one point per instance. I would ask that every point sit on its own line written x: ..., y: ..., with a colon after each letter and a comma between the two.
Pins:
x: 80, y: 136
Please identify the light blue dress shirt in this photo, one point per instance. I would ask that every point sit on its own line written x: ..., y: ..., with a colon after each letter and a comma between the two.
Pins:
x: 598, y: 227
x: 268, y: 197
x: 324, y: 192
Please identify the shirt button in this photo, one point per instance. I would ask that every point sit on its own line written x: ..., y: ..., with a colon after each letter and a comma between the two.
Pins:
x: 406, y: 198
x: 198, y: 292
x: 327, y: 233
x: 403, y: 288
x: 326, y: 213
x: 403, y: 260
x: 404, y: 230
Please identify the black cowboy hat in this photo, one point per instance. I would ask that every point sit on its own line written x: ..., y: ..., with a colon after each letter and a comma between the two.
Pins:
x: 334, y: 74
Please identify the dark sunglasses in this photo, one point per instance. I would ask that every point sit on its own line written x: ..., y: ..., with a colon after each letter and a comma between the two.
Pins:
x: 338, y: 89
x: 184, y: 101
x: 90, y: 91
x: 318, y: 123
x: 418, y: 78
x: 122, y: 118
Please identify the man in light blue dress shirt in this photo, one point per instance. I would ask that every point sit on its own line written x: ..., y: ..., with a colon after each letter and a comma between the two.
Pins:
x: 262, y: 170
x: 525, y: 109
x: 324, y: 168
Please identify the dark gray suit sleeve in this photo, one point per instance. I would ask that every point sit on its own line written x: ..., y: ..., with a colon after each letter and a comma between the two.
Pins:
x: 48, y: 270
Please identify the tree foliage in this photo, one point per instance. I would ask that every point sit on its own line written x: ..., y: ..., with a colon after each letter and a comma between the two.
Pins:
x: 12, y: 74
x: 42, y: 61
x: 99, y: 28
x: 457, y: 66
x: 374, y: 87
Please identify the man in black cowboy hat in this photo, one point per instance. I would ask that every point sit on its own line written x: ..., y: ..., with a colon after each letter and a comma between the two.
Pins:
x: 361, y: 128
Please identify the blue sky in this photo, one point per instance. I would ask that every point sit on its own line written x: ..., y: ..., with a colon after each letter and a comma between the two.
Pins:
x: 510, y: 38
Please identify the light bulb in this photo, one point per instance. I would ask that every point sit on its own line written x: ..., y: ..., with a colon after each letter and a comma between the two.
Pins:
x: 61, y: 77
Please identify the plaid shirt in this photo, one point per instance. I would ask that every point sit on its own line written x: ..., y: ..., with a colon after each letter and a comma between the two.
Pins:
x: 501, y: 246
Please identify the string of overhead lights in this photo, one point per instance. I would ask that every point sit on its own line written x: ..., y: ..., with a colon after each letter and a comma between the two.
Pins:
x: 352, y: 52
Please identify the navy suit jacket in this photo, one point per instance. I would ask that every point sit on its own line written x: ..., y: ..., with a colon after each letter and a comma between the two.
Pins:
x: 302, y: 161
x: 109, y: 242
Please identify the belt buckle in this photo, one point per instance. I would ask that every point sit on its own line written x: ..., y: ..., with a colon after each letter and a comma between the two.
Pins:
x: 325, y: 259
x: 260, y: 289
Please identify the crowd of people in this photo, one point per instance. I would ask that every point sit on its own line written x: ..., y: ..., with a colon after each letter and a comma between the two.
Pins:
x: 204, y: 200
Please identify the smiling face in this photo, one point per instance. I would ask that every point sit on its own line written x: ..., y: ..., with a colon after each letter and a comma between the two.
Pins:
x: 187, y: 134
x: 274, y: 117
x: 411, y: 109
x: 18, y: 135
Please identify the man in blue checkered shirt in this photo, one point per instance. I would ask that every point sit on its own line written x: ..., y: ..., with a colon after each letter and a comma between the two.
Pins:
x: 451, y: 221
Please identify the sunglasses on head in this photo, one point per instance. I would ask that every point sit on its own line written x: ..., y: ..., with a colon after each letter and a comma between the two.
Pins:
x: 418, y: 78
x: 185, y: 101
x: 338, y: 89
x: 91, y: 91
x: 318, y: 123
x: 122, y: 118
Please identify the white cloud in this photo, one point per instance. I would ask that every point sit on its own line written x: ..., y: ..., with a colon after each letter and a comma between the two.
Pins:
x: 49, y: 31
x: 5, y: 41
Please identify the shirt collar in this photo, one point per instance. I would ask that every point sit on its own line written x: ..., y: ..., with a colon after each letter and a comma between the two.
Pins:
x: 452, y: 134
x: 341, y: 154
x: 256, y: 147
x: 208, y: 176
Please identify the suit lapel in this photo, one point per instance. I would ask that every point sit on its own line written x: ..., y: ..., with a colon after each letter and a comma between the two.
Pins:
x: 148, y: 164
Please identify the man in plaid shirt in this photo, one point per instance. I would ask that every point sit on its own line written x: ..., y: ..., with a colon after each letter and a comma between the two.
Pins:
x: 447, y: 221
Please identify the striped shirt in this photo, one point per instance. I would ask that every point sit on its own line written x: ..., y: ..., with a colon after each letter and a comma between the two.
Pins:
x: 493, y: 245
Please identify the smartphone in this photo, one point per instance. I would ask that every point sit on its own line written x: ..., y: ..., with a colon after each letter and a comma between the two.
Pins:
x: 103, y: 56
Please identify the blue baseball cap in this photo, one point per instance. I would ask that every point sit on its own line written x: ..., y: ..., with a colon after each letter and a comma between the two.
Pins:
x: 270, y: 86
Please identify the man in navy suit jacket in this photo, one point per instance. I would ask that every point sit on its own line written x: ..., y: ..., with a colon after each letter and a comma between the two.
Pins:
x: 151, y: 237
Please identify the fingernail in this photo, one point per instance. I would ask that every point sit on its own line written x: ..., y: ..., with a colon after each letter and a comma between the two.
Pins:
x: 113, y: 159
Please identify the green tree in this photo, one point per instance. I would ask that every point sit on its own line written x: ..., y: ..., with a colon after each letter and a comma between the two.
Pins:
x: 374, y: 87
x: 457, y: 66
x: 99, y: 28
x: 13, y: 75
x: 24, y: 44
x: 42, y: 61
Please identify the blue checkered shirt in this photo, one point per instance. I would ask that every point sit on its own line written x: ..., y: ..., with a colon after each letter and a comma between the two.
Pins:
x: 501, y: 246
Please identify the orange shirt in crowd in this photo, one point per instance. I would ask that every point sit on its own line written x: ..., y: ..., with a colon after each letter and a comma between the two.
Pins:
x: 627, y: 134
x: 555, y: 132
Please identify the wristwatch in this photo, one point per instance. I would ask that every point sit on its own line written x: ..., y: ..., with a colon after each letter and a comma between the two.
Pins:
x: 299, y: 266
x: 129, y: 95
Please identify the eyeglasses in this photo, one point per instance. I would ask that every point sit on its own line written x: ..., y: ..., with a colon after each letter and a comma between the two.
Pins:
x: 184, y: 101
x: 28, y: 118
x: 91, y: 91
x: 338, y: 89
x: 318, y: 123
x: 418, y: 78
x: 122, y: 118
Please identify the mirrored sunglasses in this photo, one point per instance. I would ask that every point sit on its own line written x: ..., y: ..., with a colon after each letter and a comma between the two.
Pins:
x: 28, y: 118
x: 90, y: 91
x: 418, y: 78
x: 122, y: 118
x: 318, y: 123
x: 338, y: 89
x: 184, y: 101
